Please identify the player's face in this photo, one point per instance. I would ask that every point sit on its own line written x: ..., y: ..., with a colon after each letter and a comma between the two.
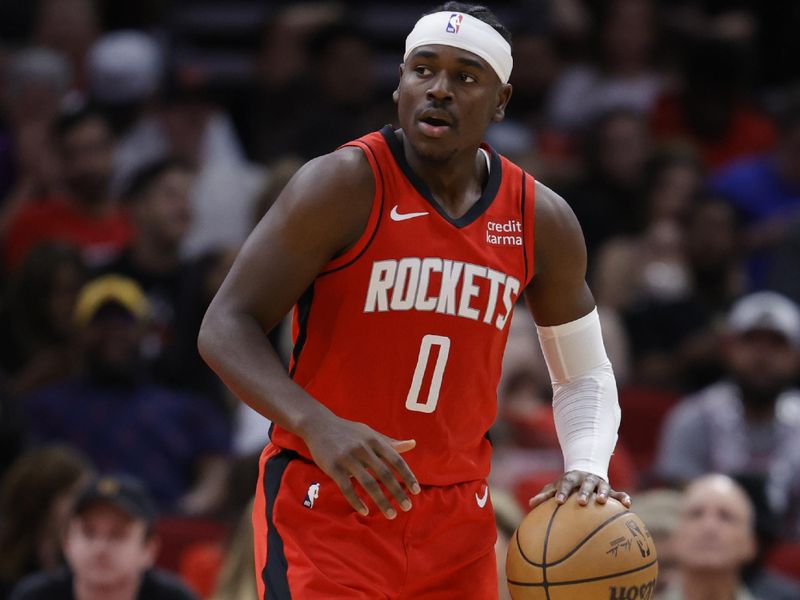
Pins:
x: 446, y: 99
x: 106, y: 547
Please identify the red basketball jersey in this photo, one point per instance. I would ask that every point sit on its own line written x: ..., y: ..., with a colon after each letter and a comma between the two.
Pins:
x: 406, y: 330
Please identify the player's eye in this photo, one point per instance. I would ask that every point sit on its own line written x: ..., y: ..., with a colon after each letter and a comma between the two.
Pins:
x: 467, y: 78
x: 422, y: 70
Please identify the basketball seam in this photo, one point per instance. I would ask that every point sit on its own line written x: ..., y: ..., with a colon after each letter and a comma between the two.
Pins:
x: 544, y: 552
x: 522, y: 552
x: 589, y: 536
x: 589, y: 580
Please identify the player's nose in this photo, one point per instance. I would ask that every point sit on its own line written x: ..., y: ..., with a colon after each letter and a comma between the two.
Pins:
x: 439, y: 88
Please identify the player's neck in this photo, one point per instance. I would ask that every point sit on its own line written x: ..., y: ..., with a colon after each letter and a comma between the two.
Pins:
x: 455, y: 183
x: 700, y: 585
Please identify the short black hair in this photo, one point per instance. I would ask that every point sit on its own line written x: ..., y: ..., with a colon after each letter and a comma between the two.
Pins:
x: 143, y: 179
x: 481, y: 13
x: 71, y: 119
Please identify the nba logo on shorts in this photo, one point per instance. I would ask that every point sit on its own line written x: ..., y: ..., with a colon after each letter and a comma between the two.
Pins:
x: 311, y: 495
x: 454, y: 23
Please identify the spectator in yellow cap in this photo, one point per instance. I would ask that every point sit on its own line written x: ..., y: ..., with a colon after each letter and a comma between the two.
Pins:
x: 111, y: 289
x: 117, y: 416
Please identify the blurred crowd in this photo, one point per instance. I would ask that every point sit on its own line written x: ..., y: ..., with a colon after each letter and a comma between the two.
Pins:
x: 141, y: 142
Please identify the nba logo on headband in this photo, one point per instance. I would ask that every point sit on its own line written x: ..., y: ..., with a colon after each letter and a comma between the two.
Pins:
x: 454, y: 23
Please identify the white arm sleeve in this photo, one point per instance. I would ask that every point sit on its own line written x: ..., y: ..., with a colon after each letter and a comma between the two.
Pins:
x: 585, y: 403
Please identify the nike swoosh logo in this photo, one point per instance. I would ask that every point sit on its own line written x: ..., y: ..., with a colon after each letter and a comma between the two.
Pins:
x: 396, y: 216
x: 481, y: 500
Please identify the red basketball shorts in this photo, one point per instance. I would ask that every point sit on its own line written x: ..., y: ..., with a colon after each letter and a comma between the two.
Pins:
x: 310, y: 544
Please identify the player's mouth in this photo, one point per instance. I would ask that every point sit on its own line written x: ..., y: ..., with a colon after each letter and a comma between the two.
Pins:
x: 435, y: 123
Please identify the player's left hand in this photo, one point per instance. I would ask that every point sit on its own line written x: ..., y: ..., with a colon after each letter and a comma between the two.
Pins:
x: 585, y: 483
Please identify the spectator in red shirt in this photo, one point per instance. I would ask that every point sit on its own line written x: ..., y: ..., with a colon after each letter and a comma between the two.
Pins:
x: 86, y: 216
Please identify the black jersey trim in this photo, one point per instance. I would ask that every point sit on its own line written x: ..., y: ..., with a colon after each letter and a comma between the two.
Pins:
x: 522, y: 218
x: 380, y: 214
x: 303, y: 312
x: 274, y: 573
x: 476, y: 210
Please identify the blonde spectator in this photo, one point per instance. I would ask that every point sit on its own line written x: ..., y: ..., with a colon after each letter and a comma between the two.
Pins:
x: 236, y: 578
x: 660, y: 509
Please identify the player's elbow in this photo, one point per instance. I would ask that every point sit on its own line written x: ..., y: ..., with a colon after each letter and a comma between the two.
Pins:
x: 208, y: 337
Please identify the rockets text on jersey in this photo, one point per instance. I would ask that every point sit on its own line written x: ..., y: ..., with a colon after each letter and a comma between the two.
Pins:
x: 406, y: 285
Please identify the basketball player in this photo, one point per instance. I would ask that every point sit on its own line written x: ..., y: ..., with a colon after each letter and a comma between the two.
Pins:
x: 405, y: 252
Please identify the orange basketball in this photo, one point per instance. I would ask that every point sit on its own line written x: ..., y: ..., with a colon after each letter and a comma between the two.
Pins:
x: 573, y: 552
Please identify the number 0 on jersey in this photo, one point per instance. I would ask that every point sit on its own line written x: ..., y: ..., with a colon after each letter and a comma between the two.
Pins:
x: 412, y: 400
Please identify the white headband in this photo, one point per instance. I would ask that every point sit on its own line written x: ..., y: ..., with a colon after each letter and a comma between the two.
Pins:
x: 466, y: 32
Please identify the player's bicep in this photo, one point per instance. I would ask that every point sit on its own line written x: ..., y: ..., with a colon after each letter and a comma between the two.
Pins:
x: 558, y: 292
x: 306, y: 227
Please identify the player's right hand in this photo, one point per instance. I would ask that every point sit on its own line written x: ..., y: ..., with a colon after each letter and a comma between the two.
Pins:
x: 347, y: 451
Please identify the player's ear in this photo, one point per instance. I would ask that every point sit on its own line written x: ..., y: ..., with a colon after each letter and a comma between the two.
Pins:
x: 396, y: 92
x: 503, y: 96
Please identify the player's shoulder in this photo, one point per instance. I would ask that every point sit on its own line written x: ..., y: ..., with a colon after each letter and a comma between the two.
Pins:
x: 558, y: 237
x: 342, y: 176
x: 554, y: 216
x: 547, y: 201
x: 550, y: 204
x: 346, y: 167
x: 552, y: 212
x: 330, y: 196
